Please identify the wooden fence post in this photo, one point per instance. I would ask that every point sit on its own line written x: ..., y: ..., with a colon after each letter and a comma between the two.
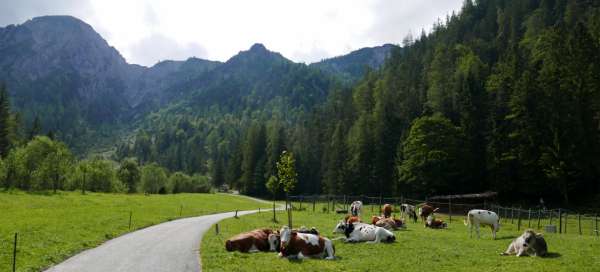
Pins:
x: 130, y: 215
x: 217, y: 229
x: 596, y: 219
x: 450, y: 210
x: 579, y: 219
x: 14, y: 264
x: 551, y: 215
x: 566, y: 221
x: 301, y: 200
x: 314, y: 203
x: 180, y: 210
x: 529, y: 218
x: 559, y: 221
x: 519, y: 220
x: 539, y: 218
x: 512, y: 215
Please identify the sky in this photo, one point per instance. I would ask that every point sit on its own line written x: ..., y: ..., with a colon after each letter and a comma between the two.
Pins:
x: 148, y: 31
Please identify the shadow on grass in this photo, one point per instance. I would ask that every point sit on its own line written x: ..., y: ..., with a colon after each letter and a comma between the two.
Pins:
x: 508, y: 237
x: 299, y: 261
x: 552, y: 255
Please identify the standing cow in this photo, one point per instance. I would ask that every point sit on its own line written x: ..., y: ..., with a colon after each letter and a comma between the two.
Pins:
x: 410, y: 210
x: 355, y: 208
x: 475, y: 218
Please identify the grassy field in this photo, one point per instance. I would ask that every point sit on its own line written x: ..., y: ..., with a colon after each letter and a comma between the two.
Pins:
x: 416, y: 249
x: 54, y: 227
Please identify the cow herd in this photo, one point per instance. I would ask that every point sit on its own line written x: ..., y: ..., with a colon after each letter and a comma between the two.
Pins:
x: 308, y: 243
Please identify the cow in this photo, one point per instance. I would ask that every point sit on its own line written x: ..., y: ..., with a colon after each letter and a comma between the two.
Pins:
x: 352, y: 219
x: 252, y: 241
x: 387, y: 210
x: 275, y: 238
x: 359, y: 232
x: 434, y: 223
x: 304, y: 245
x: 390, y: 223
x: 355, y: 208
x: 475, y: 218
x: 410, y: 210
x: 530, y: 243
x: 425, y: 211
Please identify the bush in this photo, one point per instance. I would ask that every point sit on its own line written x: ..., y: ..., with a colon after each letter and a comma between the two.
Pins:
x: 154, y: 179
x: 201, y: 184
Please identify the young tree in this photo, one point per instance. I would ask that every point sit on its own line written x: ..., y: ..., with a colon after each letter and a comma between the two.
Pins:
x: 129, y: 174
x: 273, y: 187
x: 180, y: 183
x: 154, y: 178
x: 288, y: 178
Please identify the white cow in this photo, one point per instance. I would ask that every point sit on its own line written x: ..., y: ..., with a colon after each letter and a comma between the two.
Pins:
x: 359, y: 232
x: 475, y: 218
x: 355, y: 208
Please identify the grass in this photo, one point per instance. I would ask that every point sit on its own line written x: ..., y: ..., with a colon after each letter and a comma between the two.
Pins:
x: 53, y: 227
x: 416, y: 249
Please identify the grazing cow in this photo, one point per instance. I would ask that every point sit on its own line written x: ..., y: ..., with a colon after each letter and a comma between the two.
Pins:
x: 352, y: 219
x: 425, y: 211
x: 390, y: 223
x: 355, y: 208
x: 475, y: 218
x: 275, y: 238
x: 300, y: 245
x: 530, y: 243
x: 434, y: 223
x: 359, y: 232
x: 387, y: 210
x: 410, y: 210
x: 252, y: 241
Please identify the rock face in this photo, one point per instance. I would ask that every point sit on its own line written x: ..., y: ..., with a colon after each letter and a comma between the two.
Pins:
x: 352, y: 66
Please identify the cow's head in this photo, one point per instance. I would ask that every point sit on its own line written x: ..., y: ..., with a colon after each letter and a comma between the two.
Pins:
x: 340, y: 227
x: 529, y: 238
x: 274, y: 242
x: 286, y: 235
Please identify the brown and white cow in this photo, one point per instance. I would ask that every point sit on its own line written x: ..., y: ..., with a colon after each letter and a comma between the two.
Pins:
x: 275, y: 238
x: 305, y: 245
x: 425, y: 211
x: 434, y: 223
x: 390, y: 223
x: 252, y: 241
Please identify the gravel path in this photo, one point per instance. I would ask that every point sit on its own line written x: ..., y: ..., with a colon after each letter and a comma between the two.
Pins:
x: 171, y: 246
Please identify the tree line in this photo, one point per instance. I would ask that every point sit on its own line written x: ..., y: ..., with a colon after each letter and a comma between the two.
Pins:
x: 503, y: 96
x: 39, y: 163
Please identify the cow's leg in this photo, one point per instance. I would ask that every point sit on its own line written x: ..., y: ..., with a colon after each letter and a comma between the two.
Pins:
x: 509, y: 250
x: 329, y: 250
x: 470, y: 230
x: 494, y: 232
x: 477, y: 229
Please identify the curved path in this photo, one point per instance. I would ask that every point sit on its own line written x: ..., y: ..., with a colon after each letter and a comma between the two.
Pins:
x: 171, y: 246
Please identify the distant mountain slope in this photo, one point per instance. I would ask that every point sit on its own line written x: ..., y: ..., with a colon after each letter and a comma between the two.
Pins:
x: 353, y: 65
x: 59, y: 69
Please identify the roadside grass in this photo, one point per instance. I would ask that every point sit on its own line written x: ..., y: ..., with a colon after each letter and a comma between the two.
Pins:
x: 53, y: 227
x: 416, y: 248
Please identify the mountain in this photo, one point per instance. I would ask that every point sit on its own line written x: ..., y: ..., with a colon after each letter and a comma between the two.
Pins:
x: 57, y: 68
x: 353, y: 66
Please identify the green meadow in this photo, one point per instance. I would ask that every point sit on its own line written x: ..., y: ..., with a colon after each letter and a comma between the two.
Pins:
x: 53, y: 227
x: 416, y: 248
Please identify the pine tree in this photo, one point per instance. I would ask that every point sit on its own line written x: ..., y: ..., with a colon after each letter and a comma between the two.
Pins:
x: 5, y: 124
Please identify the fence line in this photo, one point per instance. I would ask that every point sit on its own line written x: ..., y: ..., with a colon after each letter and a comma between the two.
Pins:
x: 552, y: 220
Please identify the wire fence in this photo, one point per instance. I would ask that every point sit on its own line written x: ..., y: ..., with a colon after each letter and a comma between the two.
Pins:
x: 561, y: 221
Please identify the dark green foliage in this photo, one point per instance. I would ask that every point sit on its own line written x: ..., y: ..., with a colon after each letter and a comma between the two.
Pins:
x: 5, y: 125
x: 129, y: 174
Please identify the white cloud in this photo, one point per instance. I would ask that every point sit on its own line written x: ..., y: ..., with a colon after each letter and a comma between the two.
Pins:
x: 146, y: 31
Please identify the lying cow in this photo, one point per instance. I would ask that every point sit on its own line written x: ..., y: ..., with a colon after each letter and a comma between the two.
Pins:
x: 425, y: 211
x: 475, y: 218
x: 530, y: 243
x: 352, y: 219
x: 275, y: 238
x: 305, y: 245
x: 360, y: 232
x: 410, y: 210
x: 252, y: 241
x: 390, y: 223
x: 434, y: 223
x: 355, y: 208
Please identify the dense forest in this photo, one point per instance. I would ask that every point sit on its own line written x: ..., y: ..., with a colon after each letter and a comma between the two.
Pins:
x: 503, y: 95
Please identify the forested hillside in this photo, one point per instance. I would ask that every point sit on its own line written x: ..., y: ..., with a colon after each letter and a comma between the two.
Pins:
x: 501, y: 96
